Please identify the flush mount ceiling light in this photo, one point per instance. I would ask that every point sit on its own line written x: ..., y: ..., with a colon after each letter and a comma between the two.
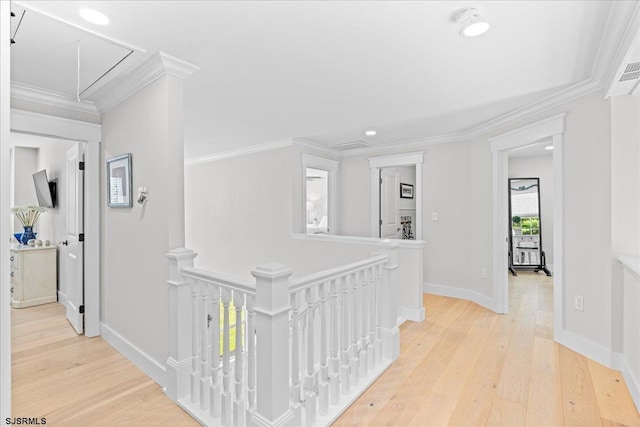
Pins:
x: 549, y: 147
x: 93, y: 16
x: 370, y: 133
x: 471, y: 23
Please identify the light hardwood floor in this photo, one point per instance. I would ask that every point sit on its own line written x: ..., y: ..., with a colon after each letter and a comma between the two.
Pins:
x: 462, y: 366
x: 72, y: 380
x: 465, y: 366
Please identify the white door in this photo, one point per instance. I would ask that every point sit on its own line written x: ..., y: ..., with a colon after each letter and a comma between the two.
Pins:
x: 73, y: 258
x: 389, y: 204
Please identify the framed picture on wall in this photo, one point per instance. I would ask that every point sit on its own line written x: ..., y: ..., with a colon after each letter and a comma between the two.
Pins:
x: 119, y: 182
x: 406, y: 191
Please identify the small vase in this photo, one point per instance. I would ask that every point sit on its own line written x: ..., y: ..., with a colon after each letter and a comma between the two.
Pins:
x: 27, y: 234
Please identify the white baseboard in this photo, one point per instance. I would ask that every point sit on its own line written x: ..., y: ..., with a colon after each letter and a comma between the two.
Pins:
x: 143, y: 361
x: 63, y: 299
x: 630, y: 379
x: 413, y: 314
x: 465, y: 294
x: 587, y: 348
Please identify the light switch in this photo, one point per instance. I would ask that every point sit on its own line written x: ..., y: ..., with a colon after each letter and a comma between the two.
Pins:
x: 434, y: 216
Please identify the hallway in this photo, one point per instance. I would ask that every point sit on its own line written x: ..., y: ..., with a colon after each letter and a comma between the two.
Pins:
x: 72, y: 380
x: 466, y: 366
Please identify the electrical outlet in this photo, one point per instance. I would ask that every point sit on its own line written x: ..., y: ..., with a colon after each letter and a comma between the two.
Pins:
x: 434, y: 216
x: 578, y: 302
x: 484, y: 273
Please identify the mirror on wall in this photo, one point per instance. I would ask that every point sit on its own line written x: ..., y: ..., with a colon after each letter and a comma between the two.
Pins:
x: 525, y: 248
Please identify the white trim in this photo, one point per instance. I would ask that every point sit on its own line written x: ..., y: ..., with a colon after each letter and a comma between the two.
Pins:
x: 302, y: 143
x: 631, y: 263
x: 75, y: 130
x: 63, y: 299
x: 49, y: 97
x: 587, y: 348
x: 633, y: 384
x: 413, y: 314
x: 58, y: 127
x: 354, y: 240
x: 154, y: 67
x: 465, y: 294
x: 331, y: 166
x: 244, y: 151
x: 143, y: 361
x: 553, y: 127
x: 5, y: 215
x: 407, y: 159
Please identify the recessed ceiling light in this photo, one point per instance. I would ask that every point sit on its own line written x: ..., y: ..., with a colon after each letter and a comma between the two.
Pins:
x: 370, y: 133
x: 471, y: 23
x: 549, y: 147
x: 93, y: 16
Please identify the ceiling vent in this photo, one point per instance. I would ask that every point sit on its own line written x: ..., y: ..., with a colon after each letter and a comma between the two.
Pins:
x: 350, y: 145
x: 627, y: 80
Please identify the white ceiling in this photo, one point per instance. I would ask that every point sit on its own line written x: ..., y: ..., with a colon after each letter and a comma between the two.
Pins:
x: 327, y: 71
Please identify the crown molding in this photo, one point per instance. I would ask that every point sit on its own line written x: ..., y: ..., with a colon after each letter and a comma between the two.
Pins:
x: 155, y: 66
x: 49, y: 97
x: 243, y: 151
x: 303, y: 143
x: 520, y: 114
x: 621, y: 29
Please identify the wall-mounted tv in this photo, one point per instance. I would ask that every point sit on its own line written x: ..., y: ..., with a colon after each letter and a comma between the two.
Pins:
x: 45, y: 190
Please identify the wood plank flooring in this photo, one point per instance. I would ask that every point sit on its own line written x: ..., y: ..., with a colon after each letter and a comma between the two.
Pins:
x: 465, y: 366
x: 72, y: 380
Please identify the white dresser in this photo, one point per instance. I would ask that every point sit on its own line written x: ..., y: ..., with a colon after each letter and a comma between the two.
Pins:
x: 33, y: 275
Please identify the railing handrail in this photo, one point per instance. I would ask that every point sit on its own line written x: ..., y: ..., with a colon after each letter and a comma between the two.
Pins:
x: 224, y: 280
x: 333, y: 273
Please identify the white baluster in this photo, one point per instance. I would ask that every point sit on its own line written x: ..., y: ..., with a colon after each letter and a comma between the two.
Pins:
x: 345, y: 338
x: 372, y: 318
x: 226, y: 363
x: 239, y: 416
x: 323, y: 386
x: 295, y: 360
x: 310, y: 395
x: 251, y: 348
x: 334, y: 375
x: 364, y: 329
x: 204, y: 335
x: 214, y: 326
x: 355, y: 319
x: 195, y: 328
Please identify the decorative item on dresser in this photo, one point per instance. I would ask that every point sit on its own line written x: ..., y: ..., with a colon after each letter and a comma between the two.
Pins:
x: 33, y: 275
x: 27, y: 215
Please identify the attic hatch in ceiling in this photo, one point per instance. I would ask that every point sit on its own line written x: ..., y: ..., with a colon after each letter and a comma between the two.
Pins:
x: 350, y: 145
x: 45, y: 55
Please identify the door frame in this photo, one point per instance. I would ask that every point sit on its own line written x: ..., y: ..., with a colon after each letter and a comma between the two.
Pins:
x: 550, y: 128
x: 331, y: 166
x: 89, y: 133
x: 375, y: 164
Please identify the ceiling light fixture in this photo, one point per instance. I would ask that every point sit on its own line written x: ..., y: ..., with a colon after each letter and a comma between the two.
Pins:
x: 471, y: 23
x: 370, y: 133
x: 549, y: 147
x: 93, y: 16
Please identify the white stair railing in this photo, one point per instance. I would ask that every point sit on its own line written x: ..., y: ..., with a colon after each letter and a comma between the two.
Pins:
x: 299, y: 351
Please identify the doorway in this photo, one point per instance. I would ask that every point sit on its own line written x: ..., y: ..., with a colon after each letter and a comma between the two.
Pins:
x: 413, y: 162
x: 551, y: 129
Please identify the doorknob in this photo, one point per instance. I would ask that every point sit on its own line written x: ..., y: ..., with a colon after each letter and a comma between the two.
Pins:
x: 66, y: 243
x: 398, y: 229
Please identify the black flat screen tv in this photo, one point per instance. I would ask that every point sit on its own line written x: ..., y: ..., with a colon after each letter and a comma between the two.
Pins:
x: 45, y: 190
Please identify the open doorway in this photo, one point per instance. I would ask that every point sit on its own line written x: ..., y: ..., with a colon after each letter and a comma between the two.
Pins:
x: 397, y: 202
x: 48, y: 268
x: 551, y: 129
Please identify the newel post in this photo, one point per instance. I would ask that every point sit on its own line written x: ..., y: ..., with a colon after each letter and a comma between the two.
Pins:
x: 179, y: 360
x: 272, y: 334
x: 388, y: 301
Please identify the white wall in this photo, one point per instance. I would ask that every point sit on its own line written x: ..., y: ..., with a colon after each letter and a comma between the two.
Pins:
x: 458, y: 183
x: 24, y: 163
x: 539, y: 167
x: 134, y: 270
